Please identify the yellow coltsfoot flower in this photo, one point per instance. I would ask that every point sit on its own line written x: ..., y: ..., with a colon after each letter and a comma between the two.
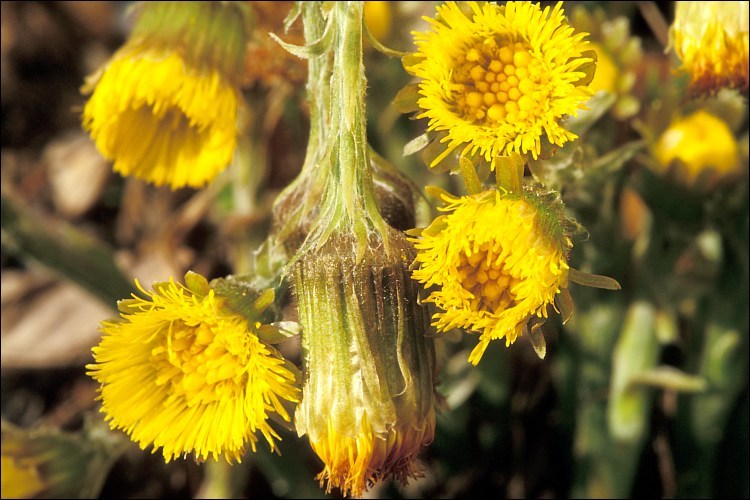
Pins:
x: 379, y: 18
x: 165, y: 108
x: 496, y: 261
x: 698, y: 146
x: 711, y: 40
x: 182, y: 371
x: 500, y: 78
x: 19, y: 480
x: 162, y: 121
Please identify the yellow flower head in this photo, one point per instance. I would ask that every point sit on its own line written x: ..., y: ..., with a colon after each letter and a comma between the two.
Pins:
x: 711, y: 40
x: 183, y: 372
x: 698, y: 144
x: 165, y: 108
x: 160, y: 120
x: 606, y: 71
x: 379, y: 18
x: 495, y: 261
x: 501, y: 78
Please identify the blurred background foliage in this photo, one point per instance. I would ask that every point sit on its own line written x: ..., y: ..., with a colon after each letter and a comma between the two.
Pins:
x: 644, y: 392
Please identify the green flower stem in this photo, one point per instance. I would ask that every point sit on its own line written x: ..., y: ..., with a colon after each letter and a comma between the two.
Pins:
x: 217, y: 480
x: 348, y: 202
x: 301, y: 196
x: 318, y: 83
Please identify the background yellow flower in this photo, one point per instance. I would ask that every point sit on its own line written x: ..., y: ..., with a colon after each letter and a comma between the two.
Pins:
x: 696, y: 145
x: 711, y: 39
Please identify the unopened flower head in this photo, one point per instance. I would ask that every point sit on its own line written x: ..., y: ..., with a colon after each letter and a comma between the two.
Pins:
x: 165, y: 108
x: 711, y: 40
x: 368, y: 406
x: 495, y: 261
x: 698, y: 145
x: 182, y: 371
x: 500, y: 78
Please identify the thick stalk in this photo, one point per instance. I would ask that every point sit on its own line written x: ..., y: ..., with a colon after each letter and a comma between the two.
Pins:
x: 349, y: 202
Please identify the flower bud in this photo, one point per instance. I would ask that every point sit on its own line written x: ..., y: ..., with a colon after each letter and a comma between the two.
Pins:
x: 368, y: 402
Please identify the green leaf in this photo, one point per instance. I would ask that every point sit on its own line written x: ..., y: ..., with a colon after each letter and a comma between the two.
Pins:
x: 279, y: 331
x: 636, y: 352
x: 509, y: 172
x: 316, y: 48
x: 588, y: 69
x: 438, y: 193
x: 469, y: 174
x: 197, y: 284
x: 565, y: 304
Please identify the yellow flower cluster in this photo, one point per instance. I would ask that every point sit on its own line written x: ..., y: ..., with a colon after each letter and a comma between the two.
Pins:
x: 184, y: 370
x: 497, y: 81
